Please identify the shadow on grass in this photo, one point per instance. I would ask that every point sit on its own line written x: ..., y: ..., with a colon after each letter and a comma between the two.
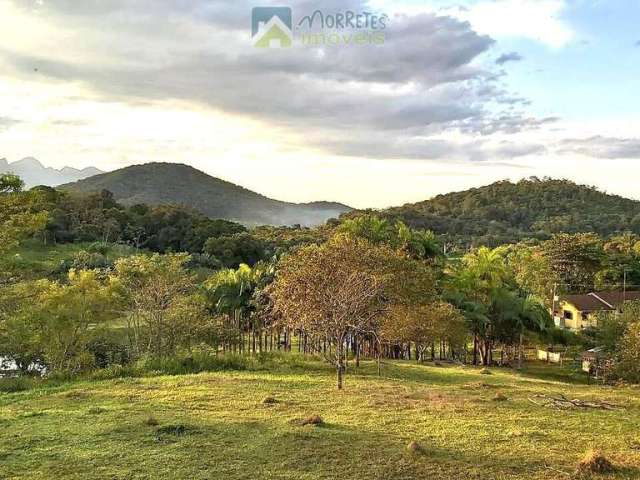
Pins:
x: 554, y: 373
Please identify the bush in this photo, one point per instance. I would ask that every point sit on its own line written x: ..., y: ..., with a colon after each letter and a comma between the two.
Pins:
x: 83, y: 260
x: 202, y: 260
x: 629, y: 365
x: 107, y: 350
x: 17, y: 384
x: 98, y: 247
x: 201, y: 359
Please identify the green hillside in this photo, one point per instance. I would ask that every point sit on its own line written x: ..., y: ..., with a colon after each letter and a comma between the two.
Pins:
x: 170, y: 183
x: 506, y: 212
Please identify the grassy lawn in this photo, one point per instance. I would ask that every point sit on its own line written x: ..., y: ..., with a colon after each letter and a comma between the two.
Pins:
x: 214, y: 425
x: 32, y: 259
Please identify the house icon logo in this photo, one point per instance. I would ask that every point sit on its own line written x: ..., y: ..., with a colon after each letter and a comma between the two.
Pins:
x: 271, y: 27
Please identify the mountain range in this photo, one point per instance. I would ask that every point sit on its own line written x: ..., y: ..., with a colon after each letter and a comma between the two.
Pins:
x: 502, y: 212
x: 173, y: 183
x: 34, y: 173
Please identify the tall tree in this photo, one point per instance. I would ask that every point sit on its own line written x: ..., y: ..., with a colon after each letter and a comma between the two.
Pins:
x: 151, y: 291
x: 343, y: 289
x: 20, y: 216
x: 576, y: 259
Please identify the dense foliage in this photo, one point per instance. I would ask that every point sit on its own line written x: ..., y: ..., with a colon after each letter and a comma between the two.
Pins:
x: 506, y: 212
x: 165, y: 284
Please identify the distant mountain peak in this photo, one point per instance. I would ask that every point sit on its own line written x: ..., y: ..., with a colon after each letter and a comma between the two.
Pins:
x: 176, y: 183
x: 28, y: 162
x: 33, y: 172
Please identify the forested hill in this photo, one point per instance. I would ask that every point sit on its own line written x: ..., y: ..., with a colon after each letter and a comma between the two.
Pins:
x: 506, y: 212
x: 171, y: 183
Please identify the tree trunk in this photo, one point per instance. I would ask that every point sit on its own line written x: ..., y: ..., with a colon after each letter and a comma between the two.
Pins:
x: 475, y: 349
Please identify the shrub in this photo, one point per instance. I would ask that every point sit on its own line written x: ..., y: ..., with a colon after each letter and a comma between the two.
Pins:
x: 107, y: 350
x: 629, y: 365
x: 98, y: 247
x: 201, y: 359
x: 17, y: 384
x: 83, y: 260
x: 202, y: 260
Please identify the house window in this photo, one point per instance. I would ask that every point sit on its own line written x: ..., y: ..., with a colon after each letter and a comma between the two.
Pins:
x: 568, y: 315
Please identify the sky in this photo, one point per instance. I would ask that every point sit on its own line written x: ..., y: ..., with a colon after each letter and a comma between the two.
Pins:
x: 460, y: 94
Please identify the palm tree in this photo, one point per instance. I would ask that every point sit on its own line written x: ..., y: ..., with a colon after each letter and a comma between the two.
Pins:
x: 229, y: 293
x: 421, y: 244
x: 477, y: 287
x: 369, y: 227
x: 533, y: 316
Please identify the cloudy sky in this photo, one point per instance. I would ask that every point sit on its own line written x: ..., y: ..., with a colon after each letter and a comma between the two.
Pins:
x: 461, y: 93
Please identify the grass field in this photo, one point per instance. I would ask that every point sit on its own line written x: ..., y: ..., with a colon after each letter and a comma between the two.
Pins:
x: 33, y: 260
x: 214, y: 425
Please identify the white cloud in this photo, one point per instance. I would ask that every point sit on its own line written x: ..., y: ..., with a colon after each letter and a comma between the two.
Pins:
x: 534, y: 19
x: 191, y: 89
x: 538, y: 20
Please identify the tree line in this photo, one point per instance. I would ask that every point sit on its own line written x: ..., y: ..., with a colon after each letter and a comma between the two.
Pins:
x: 359, y: 288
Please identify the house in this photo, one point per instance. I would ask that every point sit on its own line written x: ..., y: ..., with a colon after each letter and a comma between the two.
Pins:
x: 273, y: 34
x: 575, y: 312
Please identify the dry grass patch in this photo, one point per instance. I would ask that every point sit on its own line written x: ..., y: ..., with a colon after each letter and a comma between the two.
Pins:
x: 314, y: 420
x: 594, y: 462
x: 415, y: 448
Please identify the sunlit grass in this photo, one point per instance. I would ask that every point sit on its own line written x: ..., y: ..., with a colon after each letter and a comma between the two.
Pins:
x: 33, y: 259
x: 215, y: 425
